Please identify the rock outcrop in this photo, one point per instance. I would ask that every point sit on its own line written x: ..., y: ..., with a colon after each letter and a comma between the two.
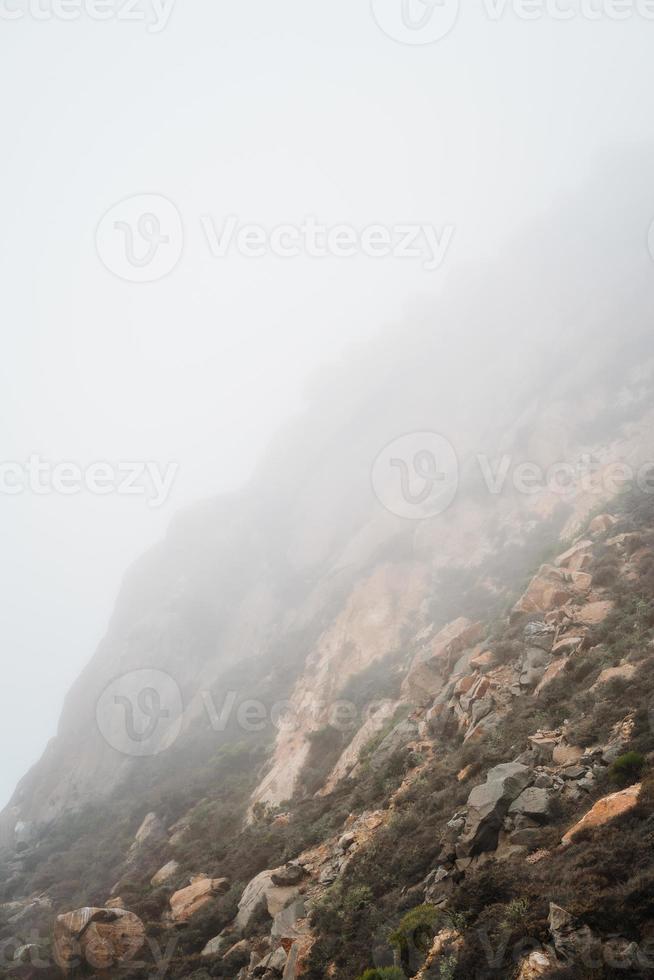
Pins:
x: 102, y: 938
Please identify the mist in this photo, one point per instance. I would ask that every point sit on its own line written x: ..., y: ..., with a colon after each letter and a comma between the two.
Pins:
x: 272, y: 115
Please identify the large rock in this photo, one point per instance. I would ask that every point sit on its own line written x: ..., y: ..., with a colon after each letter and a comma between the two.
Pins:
x: 548, y: 590
x: 260, y: 892
x: 605, y: 810
x: 104, y: 938
x: 187, y: 901
x: 574, y: 941
x: 533, y: 803
x: 488, y: 805
x: 431, y: 666
x: 150, y: 833
x: 540, y: 963
x: 164, y: 874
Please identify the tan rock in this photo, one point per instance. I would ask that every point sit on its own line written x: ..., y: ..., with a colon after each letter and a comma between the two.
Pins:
x: 104, y: 938
x: 446, y: 941
x: 605, y: 810
x: 465, y: 684
x: 546, y: 591
x: 601, y: 524
x: 187, y: 901
x: 566, y: 645
x: 552, y: 671
x: 622, y: 672
x: 577, y: 557
x: 484, y: 661
x: 564, y: 754
x: 115, y: 903
x: 581, y: 581
x: 594, y: 613
x: 538, y: 964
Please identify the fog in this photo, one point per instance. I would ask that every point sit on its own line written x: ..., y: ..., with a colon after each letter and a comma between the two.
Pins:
x: 273, y: 114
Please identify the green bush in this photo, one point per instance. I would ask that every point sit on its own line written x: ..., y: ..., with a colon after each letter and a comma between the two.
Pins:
x: 627, y: 769
x: 416, y: 929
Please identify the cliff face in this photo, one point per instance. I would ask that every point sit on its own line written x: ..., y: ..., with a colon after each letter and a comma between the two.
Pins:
x: 409, y: 572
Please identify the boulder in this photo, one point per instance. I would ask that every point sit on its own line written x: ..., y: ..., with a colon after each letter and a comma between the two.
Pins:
x: 540, y: 963
x: 164, y: 874
x: 539, y: 634
x: 533, y: 803
x: 578, y: 557
x: 488, y: 804
x: 546, y: 591
x: 290, y: 874
x: 574, y: 941
x: 430, y: 666
x: 187, y: 901
x: 150, y: 833
x: 104, y: 938
x: 262, y: 891
x: 605, y: 810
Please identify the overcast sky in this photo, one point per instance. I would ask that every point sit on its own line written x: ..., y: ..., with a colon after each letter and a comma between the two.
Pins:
x: 269, y: 112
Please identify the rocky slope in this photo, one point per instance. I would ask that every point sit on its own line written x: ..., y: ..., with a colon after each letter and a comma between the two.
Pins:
x: 323, y: 736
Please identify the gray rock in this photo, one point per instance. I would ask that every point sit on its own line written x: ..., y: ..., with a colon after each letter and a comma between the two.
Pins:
x: 574, y: 941
x: 539, y: 634
x: 533, y: 802
x: 403, y: 733
x: 488, y: 805
x: 290, y: 874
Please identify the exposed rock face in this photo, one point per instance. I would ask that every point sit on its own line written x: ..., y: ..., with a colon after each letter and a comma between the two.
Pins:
x: 369, y: 627
x: 488, y: 804
x: 547, y: 590
x: 431, y: 666
x: 104, y: 938
x: 605, y: 810
x: 187, y: 901
x: 379, y: 716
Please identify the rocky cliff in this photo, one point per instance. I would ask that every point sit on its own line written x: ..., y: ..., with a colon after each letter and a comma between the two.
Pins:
x: 382, y: 708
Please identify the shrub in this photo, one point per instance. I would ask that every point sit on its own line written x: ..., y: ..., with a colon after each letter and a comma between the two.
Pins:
x: 416, y: 929
x: 627, y: 769
x: 385, y: 973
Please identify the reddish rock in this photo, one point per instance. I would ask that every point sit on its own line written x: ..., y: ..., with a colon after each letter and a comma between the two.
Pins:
x: 605, y: 810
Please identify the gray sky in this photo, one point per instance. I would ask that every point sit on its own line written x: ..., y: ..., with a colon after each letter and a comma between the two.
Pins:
x: 272, y: 113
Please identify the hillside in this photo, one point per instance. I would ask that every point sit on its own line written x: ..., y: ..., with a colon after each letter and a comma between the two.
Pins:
x: 328, y: 732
